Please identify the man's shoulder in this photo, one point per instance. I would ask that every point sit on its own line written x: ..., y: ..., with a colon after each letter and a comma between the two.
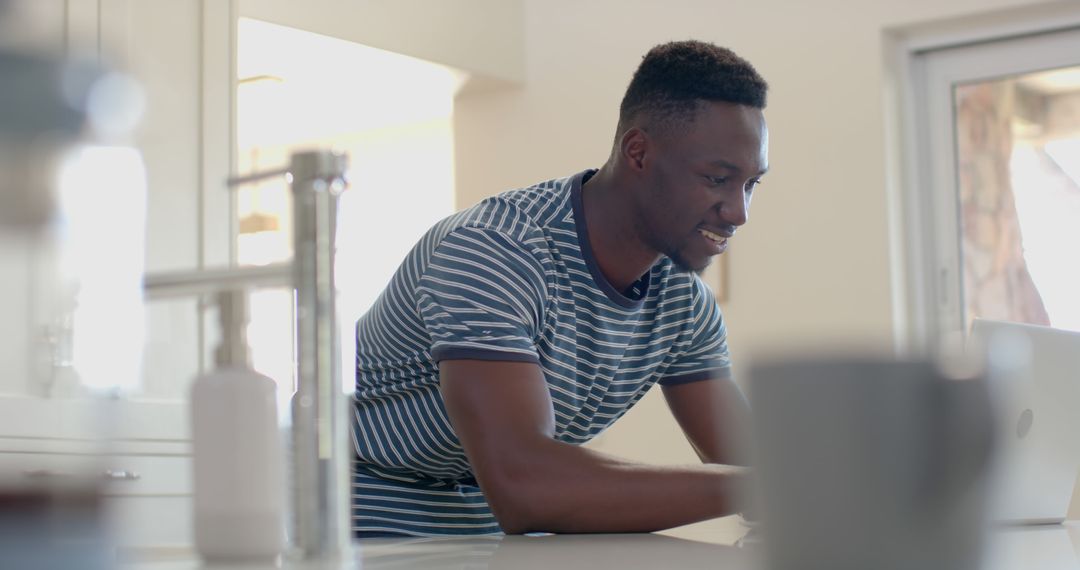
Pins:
x: 538, y: 202
x: 522, y: 212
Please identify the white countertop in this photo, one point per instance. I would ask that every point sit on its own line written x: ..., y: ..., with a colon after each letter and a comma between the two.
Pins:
x: 713, y: 544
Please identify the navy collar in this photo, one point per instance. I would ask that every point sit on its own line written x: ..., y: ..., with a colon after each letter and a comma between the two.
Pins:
x: 640, y: 287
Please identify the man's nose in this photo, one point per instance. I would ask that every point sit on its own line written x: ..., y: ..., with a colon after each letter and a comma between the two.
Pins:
x: 735, y: 211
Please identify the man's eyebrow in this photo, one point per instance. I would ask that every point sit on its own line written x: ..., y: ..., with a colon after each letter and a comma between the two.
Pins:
x: 724, y: 164
x: 730, y: 166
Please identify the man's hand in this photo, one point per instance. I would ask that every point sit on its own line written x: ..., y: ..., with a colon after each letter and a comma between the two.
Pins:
x: 503, y: 416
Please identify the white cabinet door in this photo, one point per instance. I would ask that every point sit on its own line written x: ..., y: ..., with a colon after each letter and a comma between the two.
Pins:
x: 179, y: 51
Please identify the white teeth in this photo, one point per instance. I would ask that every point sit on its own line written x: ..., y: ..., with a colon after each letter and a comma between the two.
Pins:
x: 712, y: 236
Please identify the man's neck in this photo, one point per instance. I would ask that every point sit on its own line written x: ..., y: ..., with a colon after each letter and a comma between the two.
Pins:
x: 612, y: 222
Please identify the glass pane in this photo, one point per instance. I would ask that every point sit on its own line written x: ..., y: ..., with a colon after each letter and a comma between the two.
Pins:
x: 1018, y: 176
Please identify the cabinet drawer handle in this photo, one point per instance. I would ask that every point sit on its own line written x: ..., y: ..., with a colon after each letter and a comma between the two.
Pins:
x: 121, y: 475
x: 109, y: 474
x: 46, y: 474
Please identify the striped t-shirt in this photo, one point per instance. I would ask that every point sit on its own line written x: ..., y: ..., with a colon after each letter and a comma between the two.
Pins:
x: 512, y: 278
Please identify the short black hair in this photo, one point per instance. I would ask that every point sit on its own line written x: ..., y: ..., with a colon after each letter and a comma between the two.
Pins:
x: 674, y: 77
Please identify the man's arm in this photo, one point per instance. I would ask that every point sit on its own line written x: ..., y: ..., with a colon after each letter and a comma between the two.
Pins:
x: 714, y: 415
x: 502, y: 414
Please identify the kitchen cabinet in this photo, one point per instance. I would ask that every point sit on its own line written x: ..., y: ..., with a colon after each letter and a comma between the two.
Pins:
x: 180, y: 53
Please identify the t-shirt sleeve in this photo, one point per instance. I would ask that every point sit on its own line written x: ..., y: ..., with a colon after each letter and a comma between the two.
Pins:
x: 483, y: 294
x: 707, y: 357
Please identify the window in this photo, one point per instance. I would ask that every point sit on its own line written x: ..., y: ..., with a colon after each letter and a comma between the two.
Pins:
x: 989, y: 226
x: 1018, y: 181
x: 391, y: 113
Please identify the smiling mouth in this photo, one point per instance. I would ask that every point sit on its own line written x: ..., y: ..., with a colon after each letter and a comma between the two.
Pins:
x: 713, y: 236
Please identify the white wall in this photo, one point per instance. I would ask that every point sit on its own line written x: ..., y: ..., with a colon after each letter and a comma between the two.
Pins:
x: 812, y: 265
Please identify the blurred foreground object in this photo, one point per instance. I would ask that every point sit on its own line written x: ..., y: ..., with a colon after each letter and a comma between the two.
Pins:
x: 72, y: 211
x: 56, y: 522
x: 73, y: 198
x: 37, y: 126
x: 870, y: 462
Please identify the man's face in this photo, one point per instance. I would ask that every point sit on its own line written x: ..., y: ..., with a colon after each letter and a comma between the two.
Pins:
x: 700, y: 179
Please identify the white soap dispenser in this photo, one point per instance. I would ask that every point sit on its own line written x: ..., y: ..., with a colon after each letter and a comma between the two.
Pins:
x: 239, y: 471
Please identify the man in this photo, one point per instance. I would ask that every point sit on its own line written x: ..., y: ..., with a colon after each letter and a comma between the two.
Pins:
x: 524, y: 326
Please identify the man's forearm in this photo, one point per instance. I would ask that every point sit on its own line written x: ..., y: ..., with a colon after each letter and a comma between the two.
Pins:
x: 558, y: 487
x: 504, y: 418
x: 714, y: 415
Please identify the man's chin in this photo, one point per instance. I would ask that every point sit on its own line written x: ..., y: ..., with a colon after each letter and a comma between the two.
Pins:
x: 690, y: 265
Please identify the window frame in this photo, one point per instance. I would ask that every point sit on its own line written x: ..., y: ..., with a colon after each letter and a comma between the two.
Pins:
x: 923, y: 63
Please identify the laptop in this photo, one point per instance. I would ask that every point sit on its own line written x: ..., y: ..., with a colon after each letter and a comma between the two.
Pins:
x: 1036, y: 381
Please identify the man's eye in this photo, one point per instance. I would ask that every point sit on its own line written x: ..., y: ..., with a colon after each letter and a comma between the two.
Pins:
x: 750, y: 185
x: 717, y: 180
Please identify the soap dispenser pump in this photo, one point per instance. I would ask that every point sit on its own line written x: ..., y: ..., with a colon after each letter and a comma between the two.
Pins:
x: 238, y: 459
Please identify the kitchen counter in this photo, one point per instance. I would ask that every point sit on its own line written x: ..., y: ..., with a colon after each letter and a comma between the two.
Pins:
x: 713, y: 544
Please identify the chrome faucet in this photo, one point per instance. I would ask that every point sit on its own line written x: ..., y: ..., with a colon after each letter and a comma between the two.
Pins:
x: 319, y: 464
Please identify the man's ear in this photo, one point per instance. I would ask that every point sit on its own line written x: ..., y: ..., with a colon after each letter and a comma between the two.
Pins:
x: 634, y: 148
